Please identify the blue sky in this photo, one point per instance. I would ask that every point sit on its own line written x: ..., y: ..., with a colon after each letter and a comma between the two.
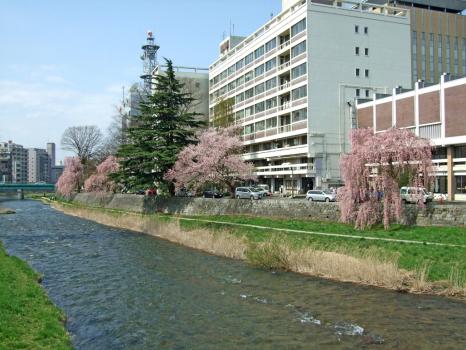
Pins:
x: 63, y: 63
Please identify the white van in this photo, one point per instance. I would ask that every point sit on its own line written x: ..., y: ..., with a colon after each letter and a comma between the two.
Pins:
x: 415, y: 194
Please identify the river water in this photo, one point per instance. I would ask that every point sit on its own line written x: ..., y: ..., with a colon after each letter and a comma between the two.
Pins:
x: 123, y: 290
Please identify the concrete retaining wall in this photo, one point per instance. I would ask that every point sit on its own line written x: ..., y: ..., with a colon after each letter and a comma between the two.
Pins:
x: 433, y: 214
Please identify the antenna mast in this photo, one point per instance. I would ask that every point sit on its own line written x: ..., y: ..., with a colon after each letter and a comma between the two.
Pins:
x: 149, y: 61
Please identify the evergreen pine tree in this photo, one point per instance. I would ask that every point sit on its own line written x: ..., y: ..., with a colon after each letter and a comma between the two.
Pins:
x: 163, y: 128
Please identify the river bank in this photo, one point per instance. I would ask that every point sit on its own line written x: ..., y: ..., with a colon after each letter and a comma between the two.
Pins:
x: 28, y: 319
x: 6, y: 211
x: 407, y: 267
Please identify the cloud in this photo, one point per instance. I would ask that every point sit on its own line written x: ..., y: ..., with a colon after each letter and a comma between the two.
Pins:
x: 33, y: 114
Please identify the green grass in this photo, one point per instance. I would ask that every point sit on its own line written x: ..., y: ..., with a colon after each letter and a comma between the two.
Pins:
x: 28, y: 319
x: 443, y: 261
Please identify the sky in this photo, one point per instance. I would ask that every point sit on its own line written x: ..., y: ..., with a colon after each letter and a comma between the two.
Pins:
x: 64, y: 63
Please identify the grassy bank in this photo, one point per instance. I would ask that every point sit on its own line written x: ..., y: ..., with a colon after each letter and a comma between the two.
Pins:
x: 420, y: 268
x: 28, y: 319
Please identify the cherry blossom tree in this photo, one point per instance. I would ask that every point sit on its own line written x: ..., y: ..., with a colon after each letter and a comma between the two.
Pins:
x: 215, y: 159
x: 100, y: 181
x: 374, y: 171
x: 71, y: 179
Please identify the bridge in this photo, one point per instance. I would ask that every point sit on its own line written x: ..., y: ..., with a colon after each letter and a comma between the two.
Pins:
x: 20, y: 188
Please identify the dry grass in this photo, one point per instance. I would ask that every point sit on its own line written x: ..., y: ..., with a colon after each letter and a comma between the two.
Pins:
x: 221, y: 244
x: 368, y: 267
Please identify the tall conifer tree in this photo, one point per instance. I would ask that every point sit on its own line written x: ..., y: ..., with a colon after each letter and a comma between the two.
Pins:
x: 159, y: 133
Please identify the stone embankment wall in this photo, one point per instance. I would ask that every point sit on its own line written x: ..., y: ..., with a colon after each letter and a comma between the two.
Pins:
x: 433, y: 214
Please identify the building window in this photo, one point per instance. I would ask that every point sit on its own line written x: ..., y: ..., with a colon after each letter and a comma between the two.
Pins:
x: 249, y: 58
x: 259, y: 107
x: 366, y: 73
x: 367, y: 93
x: 231, y: 70
x: 259, y: 52
x: 249, y: 93
x: 447, y: 53
x: 300, y: 115
x: 271, y: 123
x: 298, y: 49
x: 299, y: 92
x: 356, y: 29
x: 358, y: 92
x: 270, y: 45
x: 460, y: 184
x: 464, y: 56
x: 298, y: 27
x: 356, y: 50
x: 357, y: 72
x: 270, y: 64
x: 439, y: 54
x: 239, y: 116
x: 259, y: 70
x: 455, y: 56
x: 431, y: 58
x: 240, y: 81
x: 414, y: 58
x: 240, y: 64
x: 249, y: 111
x: 240, y: 97
x: 260, y: 125
x: 271, y: 103
x: 298, y: 71
x: 366, y: 51
x: 459, y: 152
x: 249, y: 76
x: 270, y: 84
x: 259, y: 89
x: 423, y: 55
x: 366, y: 30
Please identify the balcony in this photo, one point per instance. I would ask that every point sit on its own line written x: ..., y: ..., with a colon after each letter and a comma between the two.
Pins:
x: 284, y: 45
x: 284, y: 66
x: 301, y: 125
x: 284, y: 86
x: 298, y: 151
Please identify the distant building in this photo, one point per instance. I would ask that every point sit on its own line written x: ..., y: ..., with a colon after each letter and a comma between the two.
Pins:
x: 55, y: 173
x: 13, y: 163
x: 39, y: 165
x: 438, y: 37
x: 436, y: 112
x: 51, y: 153
x: 196, y: 82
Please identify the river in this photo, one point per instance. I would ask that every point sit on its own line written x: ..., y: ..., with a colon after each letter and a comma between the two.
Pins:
x: 124, y: 290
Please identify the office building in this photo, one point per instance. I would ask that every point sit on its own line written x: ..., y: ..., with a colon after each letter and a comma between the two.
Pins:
x: 294, y: 80
x: 436, y: 112
x: 438, y: 37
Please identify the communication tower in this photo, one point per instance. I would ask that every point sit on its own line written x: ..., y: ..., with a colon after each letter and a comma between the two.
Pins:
x: 149, y: 59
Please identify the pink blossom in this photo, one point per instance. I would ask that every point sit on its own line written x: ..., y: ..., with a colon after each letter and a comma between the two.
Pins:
x: 100, y: 182
x: 373, y: 170
x: 71, y: 178
x: 215, y: 159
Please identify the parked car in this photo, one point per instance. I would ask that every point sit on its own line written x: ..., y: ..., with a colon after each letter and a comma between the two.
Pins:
x: 266, y: 189
x: 262, y: 191
x: 183, y: 192
x: 212, y: 194
x: 248, y: 193
x: 321, y: 195
x: 415, y: 194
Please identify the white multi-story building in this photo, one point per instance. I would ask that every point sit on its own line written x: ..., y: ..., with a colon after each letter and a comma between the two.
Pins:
x: 293, y: 83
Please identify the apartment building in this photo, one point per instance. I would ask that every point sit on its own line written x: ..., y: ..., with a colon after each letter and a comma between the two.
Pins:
x: 438, y: 37
x: 13, y: 163
x: 436, y: 112
x: 39, y: 165
x: 293, y: 83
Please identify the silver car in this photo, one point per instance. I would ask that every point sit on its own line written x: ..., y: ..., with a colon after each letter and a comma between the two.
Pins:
x: 321, y: 195
x: 248, y: 193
